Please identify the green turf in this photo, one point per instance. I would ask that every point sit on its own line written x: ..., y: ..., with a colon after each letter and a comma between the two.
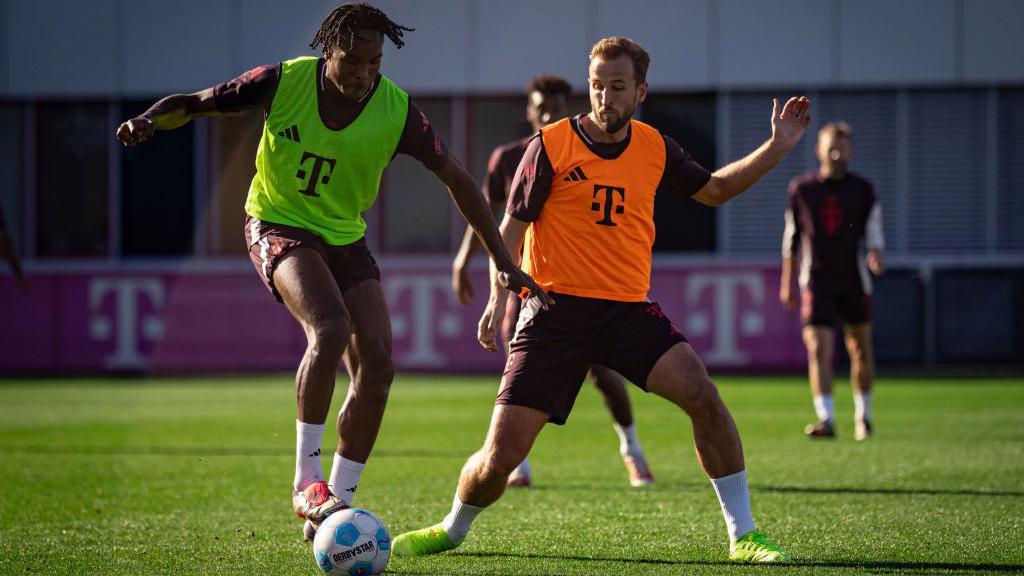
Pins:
x: 193, y: 477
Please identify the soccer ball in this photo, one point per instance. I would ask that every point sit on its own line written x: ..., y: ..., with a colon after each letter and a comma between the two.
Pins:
x: 352, y: 542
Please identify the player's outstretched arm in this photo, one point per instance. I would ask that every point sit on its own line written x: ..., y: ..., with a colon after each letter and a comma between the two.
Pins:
x: 788, y: 128
x: 470, y: 202
x: 167, y: 114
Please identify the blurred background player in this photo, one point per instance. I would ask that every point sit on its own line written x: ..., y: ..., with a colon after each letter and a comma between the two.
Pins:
x: 10, y: 255
x: 588, y: 239
x: 332, y: 125
x: 831, y: 213
x: 547, y: 102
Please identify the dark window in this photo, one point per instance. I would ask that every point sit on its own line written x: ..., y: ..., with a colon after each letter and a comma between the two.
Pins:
x: 235, y: 139
x: 685, y: 225
x: 72, y: 210
x: 415, y: 209
x: 10, y: 171
x: 157, y: 192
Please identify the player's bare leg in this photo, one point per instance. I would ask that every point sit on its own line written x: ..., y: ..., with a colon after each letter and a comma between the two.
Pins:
x: 368, y: 359
x: 482, y: 482
x: 312, y: 296
x: 862, y: 370
x: 819, y: 343
x: 613, y: 388
x: 680, y: 377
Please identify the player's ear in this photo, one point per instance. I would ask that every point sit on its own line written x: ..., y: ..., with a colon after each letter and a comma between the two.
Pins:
x: 641, y: 93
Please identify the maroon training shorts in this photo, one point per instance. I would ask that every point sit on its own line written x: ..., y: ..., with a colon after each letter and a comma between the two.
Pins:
x: 824, y: 307
x: 269, y: 243
x: 553, y: 349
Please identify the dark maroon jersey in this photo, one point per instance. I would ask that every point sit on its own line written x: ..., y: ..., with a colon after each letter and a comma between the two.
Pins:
x: 258, y: 86
x: 501, y: 169
x: 827, y: 221
x: 682, y: 176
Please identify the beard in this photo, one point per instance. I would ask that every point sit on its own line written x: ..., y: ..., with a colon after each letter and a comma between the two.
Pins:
x: 616, y: 123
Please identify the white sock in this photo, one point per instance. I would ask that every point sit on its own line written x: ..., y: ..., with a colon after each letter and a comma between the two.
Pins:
x: 307, y: 454
x: 458, y: 521
x: 345, y: 475
x: 823, y: 407
x: 523, y: 470
x: 862, y: 405
x: 629, y: 444
x: 734, y: 496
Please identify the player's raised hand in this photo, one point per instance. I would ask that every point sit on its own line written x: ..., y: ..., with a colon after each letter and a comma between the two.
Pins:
x: 789, y: 125
x: 135, y: 131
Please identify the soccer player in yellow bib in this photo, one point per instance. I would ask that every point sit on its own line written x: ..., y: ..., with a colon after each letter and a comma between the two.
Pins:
x: 332, y: 125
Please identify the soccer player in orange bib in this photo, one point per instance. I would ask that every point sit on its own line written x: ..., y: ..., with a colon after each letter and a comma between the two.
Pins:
x: 583, y: 200
x: 547, y: 103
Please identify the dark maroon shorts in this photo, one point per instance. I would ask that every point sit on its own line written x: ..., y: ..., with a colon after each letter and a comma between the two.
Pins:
x: 552, y: 350
x: 269, y: 243
x: 824, y: 307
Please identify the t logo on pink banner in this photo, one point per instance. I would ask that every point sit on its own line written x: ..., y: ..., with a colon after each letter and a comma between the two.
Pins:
x: 419, y: 320
x: 725, y: 289
x: 125, y: 328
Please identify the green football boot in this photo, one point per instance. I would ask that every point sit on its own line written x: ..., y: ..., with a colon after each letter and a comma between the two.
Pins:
x: 432, y: 540
x: 754, y: 548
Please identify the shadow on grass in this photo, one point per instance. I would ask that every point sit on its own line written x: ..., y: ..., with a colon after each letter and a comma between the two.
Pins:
x: 692, y: 487
x: 896, y: 491
x: 855, y: 565
x: 202, y: 451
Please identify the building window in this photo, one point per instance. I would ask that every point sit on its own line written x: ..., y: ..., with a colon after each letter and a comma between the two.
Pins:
x: 10, y: 172
x: 415, y: 210
x: 157, y: 192
x: 73, y: 178
x: 235, y: 139
x: 685, y: 225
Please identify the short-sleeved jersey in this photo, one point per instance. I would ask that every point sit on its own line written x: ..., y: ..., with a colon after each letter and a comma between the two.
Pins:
x: 826, y: 222
x: 594, y: 235
x: 501, y: 169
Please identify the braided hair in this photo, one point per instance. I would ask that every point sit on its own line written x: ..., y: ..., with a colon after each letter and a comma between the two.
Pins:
x: 344, y: 20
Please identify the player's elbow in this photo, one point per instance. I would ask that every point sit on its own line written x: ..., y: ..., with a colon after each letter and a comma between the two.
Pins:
x: 714, y: 193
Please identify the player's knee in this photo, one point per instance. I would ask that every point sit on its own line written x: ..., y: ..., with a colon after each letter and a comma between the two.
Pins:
x: 329, y: 336
x: 702, y: 400
x: 813, y: 347
x: 502, y: 462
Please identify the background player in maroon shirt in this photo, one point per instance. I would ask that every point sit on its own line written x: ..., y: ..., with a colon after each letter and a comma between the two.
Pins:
x: 8, y: 255
x: 547, y: 102
x: 831, y: 214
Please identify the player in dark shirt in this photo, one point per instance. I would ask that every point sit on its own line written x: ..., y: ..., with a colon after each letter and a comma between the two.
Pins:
x: 8, y: 255
x: 331, y: 126
x: 832, y: 213
x: 547, y: 102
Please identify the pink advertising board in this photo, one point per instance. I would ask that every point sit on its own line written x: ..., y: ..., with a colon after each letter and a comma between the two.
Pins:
x: 168, y: 321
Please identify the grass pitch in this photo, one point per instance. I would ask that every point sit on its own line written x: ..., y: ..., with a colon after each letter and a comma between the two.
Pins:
x: 193, y: 477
